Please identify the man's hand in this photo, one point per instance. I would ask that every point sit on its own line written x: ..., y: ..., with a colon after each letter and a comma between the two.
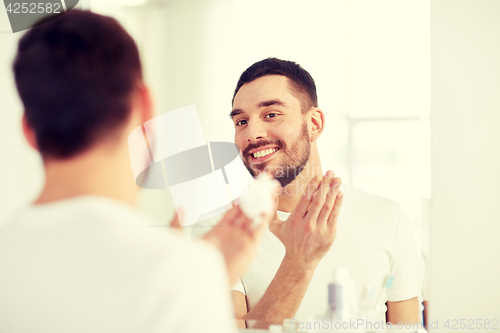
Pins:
x: 307, y: 235
x: 237, y: 241
x: 310, y: 230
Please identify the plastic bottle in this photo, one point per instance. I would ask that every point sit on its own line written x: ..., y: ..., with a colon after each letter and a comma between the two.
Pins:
x: 338, y: 295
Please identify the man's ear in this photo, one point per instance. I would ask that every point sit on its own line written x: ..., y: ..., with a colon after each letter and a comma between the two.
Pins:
x: 29, y: 133
x: 317, y: 119
x: 146, y: 103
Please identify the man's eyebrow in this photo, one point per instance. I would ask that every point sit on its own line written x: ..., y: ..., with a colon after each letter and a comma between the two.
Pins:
x: 263, y: 104
x: 235, y: 112
x: 271, y: 102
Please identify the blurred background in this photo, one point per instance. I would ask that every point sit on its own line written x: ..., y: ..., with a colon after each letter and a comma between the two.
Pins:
x: 371, y: 61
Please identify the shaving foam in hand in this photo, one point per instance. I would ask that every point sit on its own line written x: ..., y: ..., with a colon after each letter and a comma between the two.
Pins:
x: 259, y: 199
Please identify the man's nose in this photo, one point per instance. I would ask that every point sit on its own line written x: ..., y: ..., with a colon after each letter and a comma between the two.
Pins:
x: 255, y: 131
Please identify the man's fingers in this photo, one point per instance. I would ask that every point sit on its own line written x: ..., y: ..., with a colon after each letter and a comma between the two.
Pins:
x: 319, y: 198
x: 230, y: 216
x: 301, y: 208
x: 330, y: 201
x: 243, y: 222
x: 332, y: 220
x: 236, y: 218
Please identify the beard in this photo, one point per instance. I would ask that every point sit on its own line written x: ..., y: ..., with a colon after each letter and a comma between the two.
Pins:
x: 293, y: 161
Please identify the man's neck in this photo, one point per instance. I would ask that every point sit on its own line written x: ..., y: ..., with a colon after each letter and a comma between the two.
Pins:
x: 102, y: 171
x: 291, y: 194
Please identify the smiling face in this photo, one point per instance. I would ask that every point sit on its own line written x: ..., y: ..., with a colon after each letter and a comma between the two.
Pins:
x: 271, y: 129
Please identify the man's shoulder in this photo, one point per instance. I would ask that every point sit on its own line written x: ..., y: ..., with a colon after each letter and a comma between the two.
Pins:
x: 116, y: 225
x: 105, y: 231
x: 137, y: 230
x: 359, y: 204
x: 355, y: 195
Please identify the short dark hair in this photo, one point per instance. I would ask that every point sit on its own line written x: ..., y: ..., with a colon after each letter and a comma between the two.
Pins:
x: 301, y: 82
x: 75, y: 75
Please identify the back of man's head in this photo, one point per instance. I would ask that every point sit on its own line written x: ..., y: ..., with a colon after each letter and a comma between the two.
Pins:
x: 76, y: 75
x: 301, y: 82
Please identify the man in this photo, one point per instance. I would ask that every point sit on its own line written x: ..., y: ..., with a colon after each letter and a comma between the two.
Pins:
x: 81, y: 258
x: 277, y: 123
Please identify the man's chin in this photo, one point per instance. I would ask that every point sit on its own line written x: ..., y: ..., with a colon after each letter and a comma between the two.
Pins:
x: 256, y: 168
x: 255, y: 173
x: 285, y: 181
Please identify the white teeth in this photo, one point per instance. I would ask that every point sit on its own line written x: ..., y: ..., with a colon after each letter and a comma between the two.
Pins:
x: 264, y: 152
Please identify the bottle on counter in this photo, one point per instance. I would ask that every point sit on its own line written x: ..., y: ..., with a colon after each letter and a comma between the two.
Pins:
x: 338, y: 295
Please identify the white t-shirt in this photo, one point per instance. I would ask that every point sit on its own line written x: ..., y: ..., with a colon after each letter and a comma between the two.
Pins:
x: 374, y: 240
x: 92, y: 264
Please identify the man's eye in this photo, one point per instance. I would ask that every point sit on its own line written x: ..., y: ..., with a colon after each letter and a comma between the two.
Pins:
x: 271, y: 115
x: 241, y: 122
